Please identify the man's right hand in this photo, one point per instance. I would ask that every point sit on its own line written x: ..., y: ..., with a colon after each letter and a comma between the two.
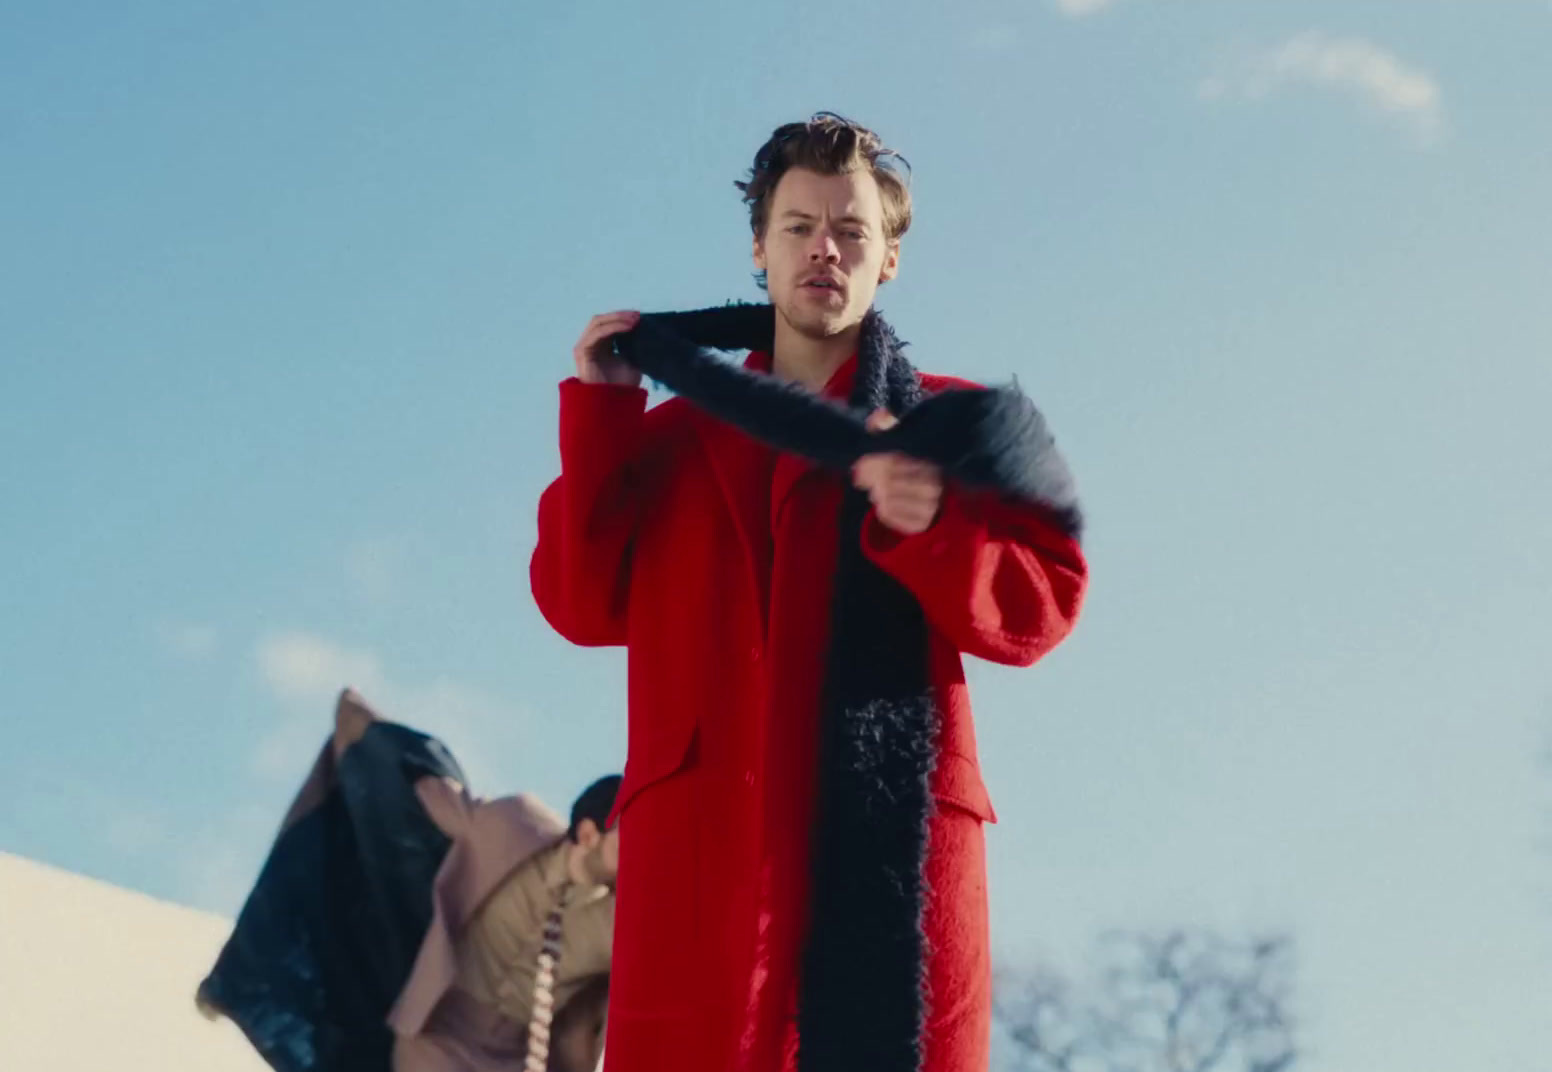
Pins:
x: 594, y: 352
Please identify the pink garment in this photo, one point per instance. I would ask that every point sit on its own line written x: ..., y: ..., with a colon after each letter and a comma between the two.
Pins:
x: 462, y: 1036
x: 490, y: 839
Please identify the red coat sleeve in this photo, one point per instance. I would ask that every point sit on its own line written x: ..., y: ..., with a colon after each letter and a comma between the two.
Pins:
x: 1000, y: 580
x: 581, y: 565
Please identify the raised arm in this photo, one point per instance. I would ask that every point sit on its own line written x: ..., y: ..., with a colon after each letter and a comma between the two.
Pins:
x: 581, y: 566
x: 1001, y: 581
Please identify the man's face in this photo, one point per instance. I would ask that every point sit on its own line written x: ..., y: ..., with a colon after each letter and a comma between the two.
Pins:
x: 601, y: 852
x: 608, y: 853
x: 824, y: 251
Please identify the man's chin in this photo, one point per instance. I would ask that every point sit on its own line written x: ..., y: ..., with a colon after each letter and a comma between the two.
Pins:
x: 820, y: 324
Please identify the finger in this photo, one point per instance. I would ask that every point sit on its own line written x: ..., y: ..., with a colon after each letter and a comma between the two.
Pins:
x: 906, y: 476
x: 910, y: 508
x: 907, y: 521
x: 905, y: 464
x: 880, y: 420
x: 922, y: 516
x: 884, y: 464
x: 613, y: 322
x: 619, y: 314
x: 918, y: 499
x: 596, y: 336
x: 907, y: 504
x: 869, y: 472
x: 906, y: 473
x: 609, y: 323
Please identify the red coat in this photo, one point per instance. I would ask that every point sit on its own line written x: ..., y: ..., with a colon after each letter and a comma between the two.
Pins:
x: 711, y: 559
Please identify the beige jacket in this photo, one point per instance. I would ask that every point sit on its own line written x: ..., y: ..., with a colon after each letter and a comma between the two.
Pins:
x: 499, y: 950
x: 491, y: 839
x: 504, y: 853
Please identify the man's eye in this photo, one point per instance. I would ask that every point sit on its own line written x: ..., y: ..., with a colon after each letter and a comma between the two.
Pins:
x: 797, y: 228
x: 857, y: 235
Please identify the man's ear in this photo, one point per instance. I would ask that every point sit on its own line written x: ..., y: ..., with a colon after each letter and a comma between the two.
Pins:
x: 758, y: 252
x: 587, y: 834
x: 891, y: 266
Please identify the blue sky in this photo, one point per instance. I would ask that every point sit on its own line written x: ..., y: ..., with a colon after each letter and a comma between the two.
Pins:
x: 285, y: 291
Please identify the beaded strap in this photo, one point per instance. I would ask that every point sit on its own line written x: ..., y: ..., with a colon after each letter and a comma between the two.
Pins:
x: 544, y: 988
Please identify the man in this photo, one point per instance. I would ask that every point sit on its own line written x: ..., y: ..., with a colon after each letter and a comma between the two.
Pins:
x: 514, y: 970
x: 399, y: 921
x: 803, y: 883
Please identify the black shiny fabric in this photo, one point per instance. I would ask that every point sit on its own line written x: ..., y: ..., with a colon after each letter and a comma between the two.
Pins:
x: 330, y: 931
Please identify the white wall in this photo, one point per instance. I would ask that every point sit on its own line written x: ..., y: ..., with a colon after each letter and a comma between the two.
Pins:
x: 94, y: 978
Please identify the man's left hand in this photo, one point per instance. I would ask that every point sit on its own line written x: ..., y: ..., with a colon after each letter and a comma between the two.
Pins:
x: 906, y: 492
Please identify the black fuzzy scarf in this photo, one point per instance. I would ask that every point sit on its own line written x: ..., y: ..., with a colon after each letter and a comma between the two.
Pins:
x: 863, y: 1000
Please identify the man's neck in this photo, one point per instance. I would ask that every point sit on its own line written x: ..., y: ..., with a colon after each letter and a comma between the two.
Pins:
x: 808, y: 361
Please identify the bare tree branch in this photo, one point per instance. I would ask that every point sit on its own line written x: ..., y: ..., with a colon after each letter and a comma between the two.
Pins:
x: 1180, y: 1001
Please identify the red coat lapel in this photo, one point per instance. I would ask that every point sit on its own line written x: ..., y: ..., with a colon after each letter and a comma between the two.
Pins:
x: 792, y: 469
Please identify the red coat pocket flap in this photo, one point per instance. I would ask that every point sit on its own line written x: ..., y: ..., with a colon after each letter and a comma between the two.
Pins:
x: 957, y: 781
x: 652, y: 759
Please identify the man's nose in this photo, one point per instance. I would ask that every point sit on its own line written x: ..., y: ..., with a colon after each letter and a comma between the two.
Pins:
x: 823, y: 247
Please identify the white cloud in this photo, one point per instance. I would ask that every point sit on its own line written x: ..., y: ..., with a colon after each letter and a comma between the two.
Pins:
x: 307, y: 672
x: 1361, y: 70
x: 1079, y: 8
x: 187, y: 640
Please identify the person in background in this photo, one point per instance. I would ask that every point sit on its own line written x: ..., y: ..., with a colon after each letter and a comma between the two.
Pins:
x: 514, y: 970
x: 399, y: 921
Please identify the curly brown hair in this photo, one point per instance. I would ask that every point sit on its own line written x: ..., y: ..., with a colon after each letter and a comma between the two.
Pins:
x: 831, y: 145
